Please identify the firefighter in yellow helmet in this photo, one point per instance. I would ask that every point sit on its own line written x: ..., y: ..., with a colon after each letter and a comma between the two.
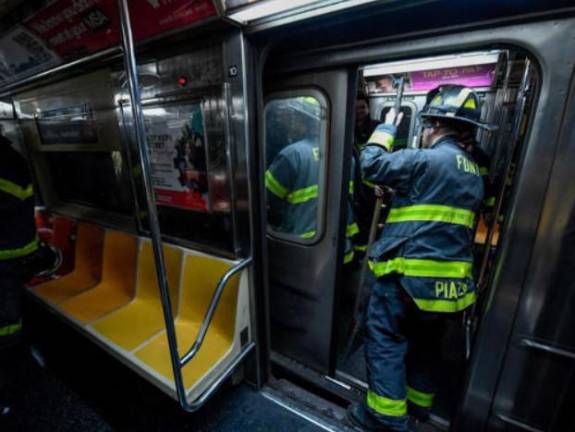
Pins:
x: 423, y: 259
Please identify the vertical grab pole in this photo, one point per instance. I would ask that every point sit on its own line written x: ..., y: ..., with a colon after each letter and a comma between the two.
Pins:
x: 136, y: 107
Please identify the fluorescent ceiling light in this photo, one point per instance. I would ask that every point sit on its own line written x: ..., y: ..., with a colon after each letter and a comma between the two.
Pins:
x: 430, y: 63
x: 268, y: 8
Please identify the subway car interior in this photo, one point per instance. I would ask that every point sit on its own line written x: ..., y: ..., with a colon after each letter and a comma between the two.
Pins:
x: 149, y: 152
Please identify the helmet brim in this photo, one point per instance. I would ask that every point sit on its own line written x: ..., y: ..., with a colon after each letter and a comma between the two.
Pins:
x: 481, y: 125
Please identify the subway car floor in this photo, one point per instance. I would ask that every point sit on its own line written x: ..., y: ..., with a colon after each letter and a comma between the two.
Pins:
x: 79, y: 387
x: 65, y: 383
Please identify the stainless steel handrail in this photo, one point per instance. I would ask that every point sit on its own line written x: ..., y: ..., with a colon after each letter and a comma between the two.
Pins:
x: 215, y: 300
x: 156, y: 237
x: 153, y: 221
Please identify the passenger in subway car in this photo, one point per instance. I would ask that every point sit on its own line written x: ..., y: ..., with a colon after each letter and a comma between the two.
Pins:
x: 21, y: 257
x: 423, y: 259
x: 364, y: 124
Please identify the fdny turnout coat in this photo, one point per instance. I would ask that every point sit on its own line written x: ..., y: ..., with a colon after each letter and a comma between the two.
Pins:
x: 17, y: 228
x: 428, y: 236
x: 292, y: 183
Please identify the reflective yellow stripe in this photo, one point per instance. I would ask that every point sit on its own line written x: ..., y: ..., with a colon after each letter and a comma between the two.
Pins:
x: 483, y: 171
x: 275, y: 186
x: 432, y: 213
x: 351, y: 184
x: 386, y: 406
x: 422, y: 268
x: 422, y: 399
x: 15, y: 190
x: 433, y: 305
x: 302, y: 195
x: 351, y: 230
x: 368, y: 184
x: 348, y: 257
x: 360, y: 248
x: 489, y: 202
x: 382, y: 138
x: 308, y: 234
x: 19, y: 252
x: 10, y: 329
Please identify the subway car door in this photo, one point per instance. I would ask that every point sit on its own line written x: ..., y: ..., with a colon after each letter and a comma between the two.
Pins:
x: 305, y: 163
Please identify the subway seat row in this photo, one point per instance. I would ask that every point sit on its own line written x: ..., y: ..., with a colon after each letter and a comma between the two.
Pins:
x: 112, y: 293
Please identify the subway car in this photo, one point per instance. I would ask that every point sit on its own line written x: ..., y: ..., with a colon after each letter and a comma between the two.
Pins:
x: 149, y: 127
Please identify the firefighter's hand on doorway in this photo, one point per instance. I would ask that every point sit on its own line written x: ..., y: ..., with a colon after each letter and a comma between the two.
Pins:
x: 392, y: 118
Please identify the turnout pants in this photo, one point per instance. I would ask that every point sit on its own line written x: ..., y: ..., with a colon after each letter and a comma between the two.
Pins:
x: 11, y: 292
x: 402, y: 350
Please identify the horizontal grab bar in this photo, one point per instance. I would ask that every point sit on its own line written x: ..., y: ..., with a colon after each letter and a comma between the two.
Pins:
x: 215, y: 300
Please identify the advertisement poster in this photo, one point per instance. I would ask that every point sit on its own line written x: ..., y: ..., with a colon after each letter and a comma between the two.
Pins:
x: 22, y: 53
x: 470, y: 76
x: 177, y: 144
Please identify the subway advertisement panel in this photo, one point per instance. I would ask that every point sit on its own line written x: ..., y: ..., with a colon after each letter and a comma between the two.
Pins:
x: 177, y: 141
x: 64, y: 30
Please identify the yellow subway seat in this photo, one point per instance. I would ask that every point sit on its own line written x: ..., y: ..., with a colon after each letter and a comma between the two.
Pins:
x: 141, y: 319
x: 133, y: 324
x: 87, y: 268
x: 118, y: 281
x: 200, y: 278
x: 156, y: 353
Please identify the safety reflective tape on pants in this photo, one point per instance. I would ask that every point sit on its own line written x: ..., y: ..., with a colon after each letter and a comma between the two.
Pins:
x: 422, y: 268
x: 15, y: 190
x: 351, y: 230
x: 19, y: 252
x: 348, y: 257
x: 419, y: 398
x: 275, y: 186
x: 489, y: 202
x: 448, y: 306
x: 10, y: 329
x: 432, y: 213
x: 386, y: 406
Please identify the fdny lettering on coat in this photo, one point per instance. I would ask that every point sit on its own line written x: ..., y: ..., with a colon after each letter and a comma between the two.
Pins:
x: 465, y: 165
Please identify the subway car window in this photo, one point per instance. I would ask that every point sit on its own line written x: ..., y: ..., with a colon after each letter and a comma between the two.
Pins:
x: 92, y: 179
x: 295, y: 146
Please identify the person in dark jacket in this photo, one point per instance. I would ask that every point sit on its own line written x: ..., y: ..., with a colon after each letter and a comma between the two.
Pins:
x: 17, y: 242
x: 21, y: 256
x: 423, y: 259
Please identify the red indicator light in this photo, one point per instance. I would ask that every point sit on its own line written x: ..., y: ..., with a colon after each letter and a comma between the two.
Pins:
x: 182, y: 81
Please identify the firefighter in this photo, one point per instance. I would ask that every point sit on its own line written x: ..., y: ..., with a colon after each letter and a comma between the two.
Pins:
x: 364, y: 201
x: 422, y: 259
x: 20, y: 257
x: 292, y: 179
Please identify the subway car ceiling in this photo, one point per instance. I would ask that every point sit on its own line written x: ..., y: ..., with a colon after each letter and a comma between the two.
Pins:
x: 300, y: 27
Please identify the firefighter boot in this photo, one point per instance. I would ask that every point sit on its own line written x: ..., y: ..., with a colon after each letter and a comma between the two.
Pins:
x: 361, y: 419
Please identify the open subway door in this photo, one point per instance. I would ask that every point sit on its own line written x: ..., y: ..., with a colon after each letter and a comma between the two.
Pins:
x: 80, y: 134
x: 304, y: 141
